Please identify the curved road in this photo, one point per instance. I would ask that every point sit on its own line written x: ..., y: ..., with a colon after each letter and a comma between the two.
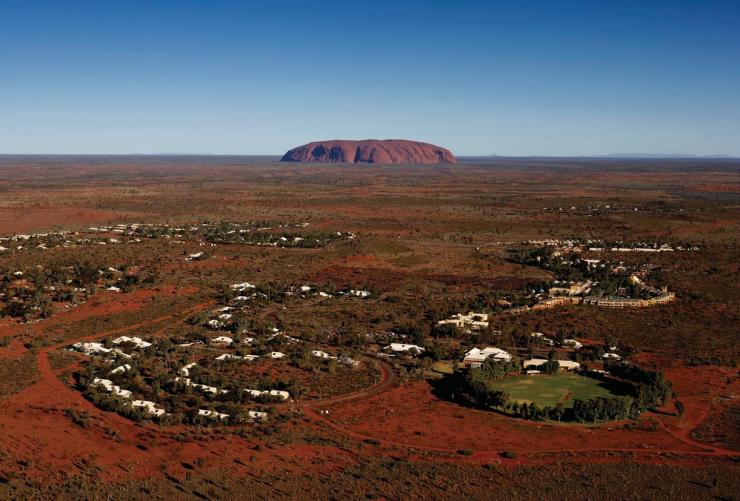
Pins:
x: 388, y: 381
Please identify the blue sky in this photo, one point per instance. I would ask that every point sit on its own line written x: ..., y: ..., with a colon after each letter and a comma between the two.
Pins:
x: 480, y: 77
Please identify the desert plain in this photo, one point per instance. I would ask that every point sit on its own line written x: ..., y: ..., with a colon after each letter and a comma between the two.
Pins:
x: 341, y: 262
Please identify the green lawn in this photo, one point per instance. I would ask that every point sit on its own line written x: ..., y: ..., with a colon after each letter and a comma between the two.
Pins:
x: 548, y: 390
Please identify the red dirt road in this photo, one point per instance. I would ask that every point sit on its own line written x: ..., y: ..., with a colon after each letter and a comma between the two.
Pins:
x: 388, y: 380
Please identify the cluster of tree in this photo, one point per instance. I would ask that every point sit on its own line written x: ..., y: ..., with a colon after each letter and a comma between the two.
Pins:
x: 112, y: 403
x: 349, y: 336
x: 723, y: 359
x: 568, y: 268
x: 26, y: 307
x: 150, y: 379
x: 479, y: 382
x: 32, y: 295
x: 604, y: 409
x: 200, y: 230
x: 271, y: 291
x: 608, y: 280
x: 547, y: 259
x: 617, y: 285
x: 493, y: 301
x: 281, y: 239
x: 551, y: 366
x: 534, y: 412
x: 132, y: 281
x: 413, y: 332
x: 494, y: 369
x: 238, y: 324
x: 482, y: 391
x: 651, y: 389
x: 304, y: 359
x: 490, y: 334
x: 237, y: 414
x: 594, y: 353
x: 590, y: 353
x: 446, y: 331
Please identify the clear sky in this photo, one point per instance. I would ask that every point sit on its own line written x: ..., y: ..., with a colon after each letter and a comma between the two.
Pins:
x: 479, y: 77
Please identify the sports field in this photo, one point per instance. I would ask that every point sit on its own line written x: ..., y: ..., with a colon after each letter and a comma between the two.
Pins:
x: 548, y: 390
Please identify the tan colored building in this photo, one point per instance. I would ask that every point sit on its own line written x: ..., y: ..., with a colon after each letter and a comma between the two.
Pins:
x: 552, y: 302
x: 628, y: 302
x: 473, y: 321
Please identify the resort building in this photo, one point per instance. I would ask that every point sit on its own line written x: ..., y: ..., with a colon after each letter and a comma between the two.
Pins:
x: 475, y: 357
x: 552, y: 302
x: 407, y: 349
x: 628, y: 302
x: 575, y: 289
x: 566, y: 365
x: 473, y: 321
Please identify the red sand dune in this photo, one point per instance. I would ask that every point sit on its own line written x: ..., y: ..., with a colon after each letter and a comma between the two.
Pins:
x: 374, y: 151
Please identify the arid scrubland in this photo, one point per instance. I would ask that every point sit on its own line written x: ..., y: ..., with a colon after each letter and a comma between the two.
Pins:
x: 311, y: 328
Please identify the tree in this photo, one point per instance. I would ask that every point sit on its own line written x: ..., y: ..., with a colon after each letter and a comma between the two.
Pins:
x: 558, y: 411
x: 494, y: 368
x: 559, y: 337
x: 602, y: 409
x: 446, y: 330
x: 165, y: 346
x: 552, y: 365
x: 239, y: 325
x: 332, y: 366
x: 483, y: 392
x: 226, y: 294
x: 199, y: 319
x: 515, y: 408
x: 303, y: 358
x: 437, y: 351
x: 679, y: 408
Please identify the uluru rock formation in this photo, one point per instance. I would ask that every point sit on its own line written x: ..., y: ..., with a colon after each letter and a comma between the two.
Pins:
x: 372, y: 151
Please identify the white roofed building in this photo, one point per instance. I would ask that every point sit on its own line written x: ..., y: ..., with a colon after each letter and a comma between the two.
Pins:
x: 212, y: 414
x: 572, y: 343
x: 136, y: 341
x: 403, y: 348
x: 475, y: 357
x: 148, y: 406
x: 567, y: 365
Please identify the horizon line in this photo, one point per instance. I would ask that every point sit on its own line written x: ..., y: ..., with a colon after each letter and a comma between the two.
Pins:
x: 612, y: 156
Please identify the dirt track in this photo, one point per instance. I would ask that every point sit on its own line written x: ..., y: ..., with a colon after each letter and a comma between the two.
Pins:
x: 389, y: 380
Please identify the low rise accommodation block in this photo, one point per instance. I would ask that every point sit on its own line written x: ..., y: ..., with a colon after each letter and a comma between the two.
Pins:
x: 475, y: 357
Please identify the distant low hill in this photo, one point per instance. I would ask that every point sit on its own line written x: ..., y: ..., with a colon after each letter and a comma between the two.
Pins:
x: 611, y: 156
x: 372, y: 151
x: 662, y: 155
